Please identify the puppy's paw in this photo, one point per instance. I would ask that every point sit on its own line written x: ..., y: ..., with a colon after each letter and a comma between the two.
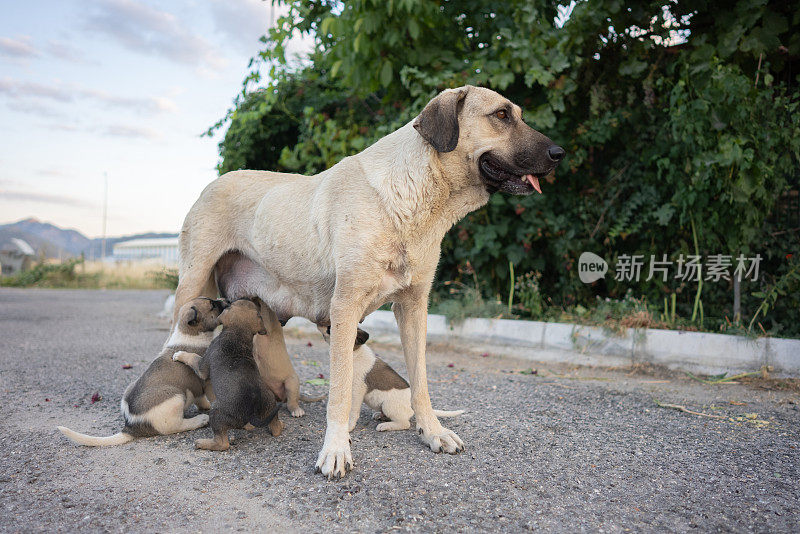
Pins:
x: 297, y: 411
x: 392, y: 425
x: 212, y: 444
x: 441, y: 439
x: 335, y: 459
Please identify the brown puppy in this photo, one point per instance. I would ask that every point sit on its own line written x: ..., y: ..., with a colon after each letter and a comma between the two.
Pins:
x: 155, y: 403
x: 270, y: 351
x: 242, y: 399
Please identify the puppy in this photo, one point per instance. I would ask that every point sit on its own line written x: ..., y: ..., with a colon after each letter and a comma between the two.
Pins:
x: 270, y: 351
x: 381, y: 388
x: 276, y: 367
x: 242, y: 400
x: 156, y: 402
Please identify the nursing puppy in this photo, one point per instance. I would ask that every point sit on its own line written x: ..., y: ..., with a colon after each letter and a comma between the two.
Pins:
x: 270, y: 354
x: 242, y: 398
x: 381, y: 388
x: 156, y: 402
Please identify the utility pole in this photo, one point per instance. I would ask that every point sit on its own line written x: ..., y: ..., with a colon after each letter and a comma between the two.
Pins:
x: 105, y: 215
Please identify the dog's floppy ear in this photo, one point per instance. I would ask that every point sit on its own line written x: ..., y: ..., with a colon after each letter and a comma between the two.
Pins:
x: 438, y: 122
x: 193, y: 320
x: 361, y: 337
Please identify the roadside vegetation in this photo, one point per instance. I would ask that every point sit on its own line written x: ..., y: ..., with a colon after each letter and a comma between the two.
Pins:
x: 78, y: 274
x: 680, y: 121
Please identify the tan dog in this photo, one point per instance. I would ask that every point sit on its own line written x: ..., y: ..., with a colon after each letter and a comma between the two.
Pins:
x: 242, y: 399
x: 156, y: 402
x: 335, y: 246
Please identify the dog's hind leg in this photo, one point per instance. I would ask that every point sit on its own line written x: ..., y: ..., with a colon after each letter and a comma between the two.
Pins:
x: 219, y: 442
x: 202, y: 403
x: 167, y: 417
x: 292, y: 385
x: 393, y: 425
x: 193, y: 423
x: 396, y: 406
x: 411, y: 312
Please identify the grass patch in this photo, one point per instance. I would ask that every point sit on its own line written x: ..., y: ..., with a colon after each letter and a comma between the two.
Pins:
x: 78, y: 274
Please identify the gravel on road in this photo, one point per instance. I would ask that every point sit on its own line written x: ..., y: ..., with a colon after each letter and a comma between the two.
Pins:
x: 549, y: 447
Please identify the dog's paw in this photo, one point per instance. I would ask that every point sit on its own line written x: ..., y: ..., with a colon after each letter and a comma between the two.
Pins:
x: 297, y: 412
x: 441, y: 440
x: 335, y: 459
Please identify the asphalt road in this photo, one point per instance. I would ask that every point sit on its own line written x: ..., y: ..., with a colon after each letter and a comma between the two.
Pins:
x: 561, y: 450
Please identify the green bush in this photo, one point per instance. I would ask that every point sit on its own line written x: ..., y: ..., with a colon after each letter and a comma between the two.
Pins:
x: 675, y: 116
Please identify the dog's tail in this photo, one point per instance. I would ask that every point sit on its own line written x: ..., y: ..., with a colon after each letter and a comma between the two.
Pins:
x: 96, y: 441
x: 306, y: 398
x: 446, y: 413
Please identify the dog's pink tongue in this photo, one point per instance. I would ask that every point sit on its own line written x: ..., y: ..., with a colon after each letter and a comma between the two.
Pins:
x: 534, y: 182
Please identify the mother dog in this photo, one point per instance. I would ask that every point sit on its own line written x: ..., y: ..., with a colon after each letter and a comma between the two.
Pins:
x: 336, y: 246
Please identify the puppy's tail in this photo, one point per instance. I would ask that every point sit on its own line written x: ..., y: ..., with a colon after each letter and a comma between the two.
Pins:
x: 445, y: 413
x: 96, y: 441
x: 306, y: 398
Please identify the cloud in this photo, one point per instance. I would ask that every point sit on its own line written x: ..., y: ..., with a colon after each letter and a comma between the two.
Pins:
x: 242, y: 22
x: 144, y: 29
x: 65, y: 51
x: 130, y: 132
x: 19, y: 48
x: 33, y: 108
x: 16, y: 89
x: 45, y: 198
x: 24, y: 92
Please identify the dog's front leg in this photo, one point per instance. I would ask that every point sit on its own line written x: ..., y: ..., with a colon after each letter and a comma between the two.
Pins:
x: 335, y: 457
x: 411, y: 313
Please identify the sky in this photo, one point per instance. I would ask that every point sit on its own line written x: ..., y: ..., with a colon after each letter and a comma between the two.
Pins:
x: 117, y: 87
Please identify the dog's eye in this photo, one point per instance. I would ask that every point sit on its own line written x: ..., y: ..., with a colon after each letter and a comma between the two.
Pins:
x: 501, y: 114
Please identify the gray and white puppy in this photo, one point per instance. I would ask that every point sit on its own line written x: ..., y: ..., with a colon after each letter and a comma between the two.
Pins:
x: 381, y: 388
x: 155, y: 403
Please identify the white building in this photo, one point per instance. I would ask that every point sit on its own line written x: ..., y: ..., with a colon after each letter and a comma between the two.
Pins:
x: 16, y: 255
x: 163, y: 250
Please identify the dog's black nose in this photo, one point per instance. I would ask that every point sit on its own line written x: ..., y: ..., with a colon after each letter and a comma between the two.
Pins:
x: 555, y: 153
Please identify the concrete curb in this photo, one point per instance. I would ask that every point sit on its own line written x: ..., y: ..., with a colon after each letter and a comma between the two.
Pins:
x: 696, y: 352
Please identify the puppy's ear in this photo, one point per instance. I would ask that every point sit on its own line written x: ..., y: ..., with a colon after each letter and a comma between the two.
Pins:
x: 361, y: 337
x: 262, y: 331
x: 193, y: 319
x: 223, y: 316
x: 438, y: 122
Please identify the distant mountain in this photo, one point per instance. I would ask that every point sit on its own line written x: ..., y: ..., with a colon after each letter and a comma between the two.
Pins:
x: 54, y: 242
